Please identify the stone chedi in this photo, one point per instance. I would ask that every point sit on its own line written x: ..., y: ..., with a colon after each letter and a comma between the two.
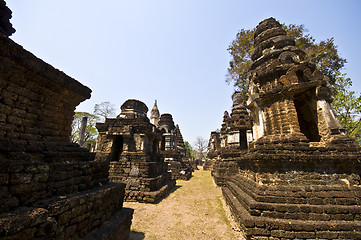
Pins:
x: 301, y: 176
x: 172, y: 148
x: 182, y: 151
x: 49, y: 188
x: 234, y: 141
x: 131, y: 144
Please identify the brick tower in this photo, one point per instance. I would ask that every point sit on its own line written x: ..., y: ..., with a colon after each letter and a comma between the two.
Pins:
x: 301, y: 176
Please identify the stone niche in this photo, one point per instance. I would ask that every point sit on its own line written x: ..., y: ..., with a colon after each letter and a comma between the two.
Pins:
x: 301, y: 176
x: 172, y: 148
x: 233, y: 140
x: 131, y: 144
x: 49, y: 188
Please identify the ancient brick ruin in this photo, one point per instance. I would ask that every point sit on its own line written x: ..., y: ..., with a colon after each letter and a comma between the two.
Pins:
x: 49, y: 188
x: 233, y: 138
x: 301, y: 176
x: 172, y: 148
x: 131, y: 144
x: 213, y: 154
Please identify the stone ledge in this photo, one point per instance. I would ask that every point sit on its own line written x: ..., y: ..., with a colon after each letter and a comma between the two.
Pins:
x: 116, y: 228
x: 254, y: 226
x: 150, y: 197
x: 64, y: 217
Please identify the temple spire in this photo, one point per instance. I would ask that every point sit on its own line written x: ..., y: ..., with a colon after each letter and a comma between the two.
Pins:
x: 154, y: 114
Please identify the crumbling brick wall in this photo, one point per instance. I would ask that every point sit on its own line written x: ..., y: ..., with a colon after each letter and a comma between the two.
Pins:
x: 50, y: 188
x: 37, y: 101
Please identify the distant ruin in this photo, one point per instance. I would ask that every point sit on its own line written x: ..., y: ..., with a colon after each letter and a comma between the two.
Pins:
x: 172, y: 148
x: 131, y: 144
x: 146, y: 155
x: 50, y: 188
x: 213, y: 154
x: 300, y: 178
x: 233, y: 140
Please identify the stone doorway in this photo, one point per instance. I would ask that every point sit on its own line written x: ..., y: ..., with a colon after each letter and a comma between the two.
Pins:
x: 163, y: 143
x: 306, y: 107
x: 243, y: 139
x: 117, y: 148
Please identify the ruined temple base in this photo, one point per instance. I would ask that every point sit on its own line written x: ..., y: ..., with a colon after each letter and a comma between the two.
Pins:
x: 208, y: 165
x: 179, y: 170
x: 287, y: 189
x: 223, y: 170
x: 72, y: 217
x: 145, y: 181
x: 293, y: 209
x: 116, y: 228
x: 149, y: 197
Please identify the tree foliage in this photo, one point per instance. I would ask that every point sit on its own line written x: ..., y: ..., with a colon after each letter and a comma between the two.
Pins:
x: 101, y: 111
x: 104, y: 110
x: 201, y: 146
x: 324, y: 54
x: 91, y: 132
x: 189, y: 149
x: 347, y: 107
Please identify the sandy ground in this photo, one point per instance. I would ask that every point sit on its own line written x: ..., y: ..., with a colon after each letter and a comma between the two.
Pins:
x: 194, y: 210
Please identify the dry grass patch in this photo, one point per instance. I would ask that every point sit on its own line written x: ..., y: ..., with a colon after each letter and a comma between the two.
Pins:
x: 193, y: 211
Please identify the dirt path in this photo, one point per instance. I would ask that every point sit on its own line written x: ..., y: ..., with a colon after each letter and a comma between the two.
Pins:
x: 193, y: 211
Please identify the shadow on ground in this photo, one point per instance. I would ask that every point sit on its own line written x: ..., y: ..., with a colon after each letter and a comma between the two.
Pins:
x: 134, y: 235
x: 176, y: 187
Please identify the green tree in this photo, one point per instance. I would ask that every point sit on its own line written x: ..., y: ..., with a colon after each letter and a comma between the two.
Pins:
x: 189, y: 149
x: 347, y: 106
x: 324, y: 54
x: 91, y: 132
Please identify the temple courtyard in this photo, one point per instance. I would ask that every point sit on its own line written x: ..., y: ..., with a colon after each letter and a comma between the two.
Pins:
x: 194, y: 210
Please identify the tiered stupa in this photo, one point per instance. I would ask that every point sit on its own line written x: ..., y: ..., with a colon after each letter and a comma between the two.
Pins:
x: 233, y: 140
x: 214, y: 147
x: 301, y: 176
x: 171, y: 149
x: 131, y: 144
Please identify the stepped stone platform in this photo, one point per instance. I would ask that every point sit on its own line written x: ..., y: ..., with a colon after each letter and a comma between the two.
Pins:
x: 294, y: 203
x: 300, y: 178
x: 49, y: 188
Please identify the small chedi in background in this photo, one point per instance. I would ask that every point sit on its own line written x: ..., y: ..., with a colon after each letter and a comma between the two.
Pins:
x: 301, y: 176
x: 213, y: 154
x: 233, y: 137
x: 49, y: 188
x: 172, y: 148
x: 131, y: 144
x: 172, y: 145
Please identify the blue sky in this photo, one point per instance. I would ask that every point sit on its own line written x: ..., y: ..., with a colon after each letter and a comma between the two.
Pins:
x: 174, y: 51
